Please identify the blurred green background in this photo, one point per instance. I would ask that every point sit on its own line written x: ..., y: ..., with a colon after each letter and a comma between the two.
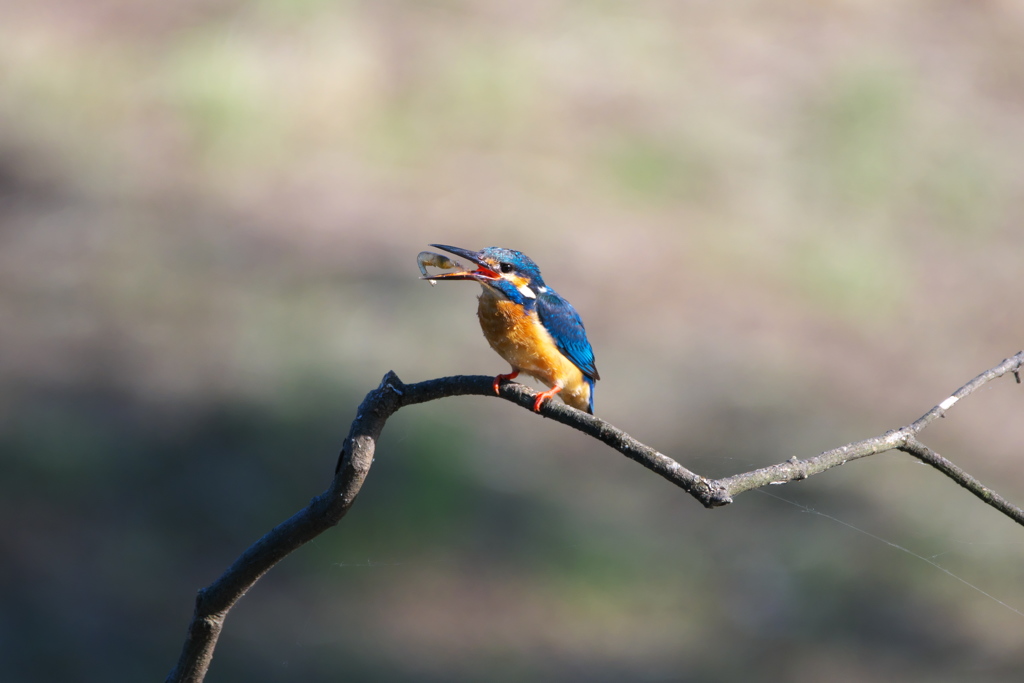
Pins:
x: 787, y: 226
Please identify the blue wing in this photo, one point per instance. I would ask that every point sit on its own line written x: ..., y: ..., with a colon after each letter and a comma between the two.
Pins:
x: 562, y: 321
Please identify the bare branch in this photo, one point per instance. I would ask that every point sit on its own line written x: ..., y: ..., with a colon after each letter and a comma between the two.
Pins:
x: 214, y: 602
x: 323, y: 512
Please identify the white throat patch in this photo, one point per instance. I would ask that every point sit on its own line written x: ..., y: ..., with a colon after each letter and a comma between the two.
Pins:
x: 526, y: 291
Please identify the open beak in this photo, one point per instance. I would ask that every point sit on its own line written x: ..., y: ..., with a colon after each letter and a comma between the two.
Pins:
x: 483, y: 271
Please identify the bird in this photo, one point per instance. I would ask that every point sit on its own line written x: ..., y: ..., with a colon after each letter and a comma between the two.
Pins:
x: 529, y: 325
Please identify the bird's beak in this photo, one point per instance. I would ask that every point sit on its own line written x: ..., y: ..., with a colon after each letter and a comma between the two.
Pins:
x: 483, y: 271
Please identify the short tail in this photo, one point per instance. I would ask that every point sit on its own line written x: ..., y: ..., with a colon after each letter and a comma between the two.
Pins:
x: 590, y: 401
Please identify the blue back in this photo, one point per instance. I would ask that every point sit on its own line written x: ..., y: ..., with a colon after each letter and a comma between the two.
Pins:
x: 563, y: 323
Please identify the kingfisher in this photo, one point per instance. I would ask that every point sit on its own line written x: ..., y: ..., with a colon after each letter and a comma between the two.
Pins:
x: 530, y: 325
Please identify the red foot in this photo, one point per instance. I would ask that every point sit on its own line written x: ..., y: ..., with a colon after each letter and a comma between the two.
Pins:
x: 499, y: 378
x: 545, y: 396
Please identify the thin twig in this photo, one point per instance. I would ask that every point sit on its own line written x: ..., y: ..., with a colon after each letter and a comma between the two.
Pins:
x: 793, y: 469
x: 927, y: 455
x: 214, y: 602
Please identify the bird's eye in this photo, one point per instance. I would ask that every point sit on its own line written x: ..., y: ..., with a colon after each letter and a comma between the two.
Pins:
x: 505, y: 267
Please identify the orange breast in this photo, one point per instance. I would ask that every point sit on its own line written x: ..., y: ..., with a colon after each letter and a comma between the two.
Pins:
x: 522, y: 341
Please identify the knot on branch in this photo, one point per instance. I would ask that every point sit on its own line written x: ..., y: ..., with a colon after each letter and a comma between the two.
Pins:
x: 710, y: 492
x: 392, y: 382
x: 798, y: 469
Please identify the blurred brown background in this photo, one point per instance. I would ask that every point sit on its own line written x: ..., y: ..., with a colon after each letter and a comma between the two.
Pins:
x: 787, y: 226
